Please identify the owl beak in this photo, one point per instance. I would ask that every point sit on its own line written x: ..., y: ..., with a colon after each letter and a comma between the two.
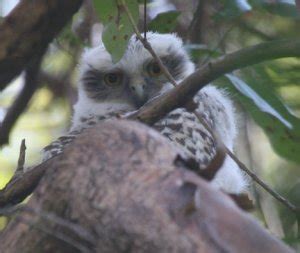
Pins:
x: 139, y: 94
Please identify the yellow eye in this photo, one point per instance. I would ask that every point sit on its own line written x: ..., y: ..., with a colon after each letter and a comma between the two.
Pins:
x: 113, y: 79
x: 154, y: 69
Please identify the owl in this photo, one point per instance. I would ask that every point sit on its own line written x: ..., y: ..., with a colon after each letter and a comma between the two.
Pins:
x: 107, y: 89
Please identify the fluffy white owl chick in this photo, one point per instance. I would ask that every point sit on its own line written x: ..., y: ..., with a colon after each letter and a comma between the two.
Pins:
x: 107, y: 89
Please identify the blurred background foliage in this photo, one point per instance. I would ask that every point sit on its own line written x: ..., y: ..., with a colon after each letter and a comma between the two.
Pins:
x: 267, y: 95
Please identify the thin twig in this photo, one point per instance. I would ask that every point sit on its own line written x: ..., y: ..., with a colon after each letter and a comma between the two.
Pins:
x: 214, y: 135
x: 21, y: 161
x: 145, y: 20
x: 206, y: 60
x: 262, y: 183
x: 147, y: 45
x: 20, y: 167
x: 219, y: 158
x: 249, y: 172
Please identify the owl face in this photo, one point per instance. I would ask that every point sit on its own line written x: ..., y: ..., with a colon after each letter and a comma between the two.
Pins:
x: 137, y: 77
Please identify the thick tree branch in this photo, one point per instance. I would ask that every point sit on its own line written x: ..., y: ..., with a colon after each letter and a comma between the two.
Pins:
x: 216, y: 163
x: 214, y: 166
x: 28, y: 30
x: 180, y: 95
x: 17, y: 189
x: 186, y: 90
x: 141, y: 202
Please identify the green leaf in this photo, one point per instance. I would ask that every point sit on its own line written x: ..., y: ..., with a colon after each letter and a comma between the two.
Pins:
x: 164, y: 22
x: 106, y: 9
x: 115, y: 39
x: 268, y: 111
x: 117, y: 26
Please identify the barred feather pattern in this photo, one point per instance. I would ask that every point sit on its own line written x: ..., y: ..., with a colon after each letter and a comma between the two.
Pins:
x: 183, y: 128
x: 99, y: 100
x: 56, y: 147
x: 180, y: 126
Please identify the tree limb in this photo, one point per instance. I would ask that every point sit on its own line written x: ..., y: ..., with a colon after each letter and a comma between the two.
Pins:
x: 28, y: 30
x: 186, y: 90
x: 22, y: 100
x: 181, y: 94
x: 17, y: 189
x: 141, y: 202
x: 222, y: 149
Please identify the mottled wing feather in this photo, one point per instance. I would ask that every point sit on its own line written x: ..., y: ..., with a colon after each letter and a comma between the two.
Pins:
x: 56, y: 147
x: 186, y: 131
x: 180, y: 126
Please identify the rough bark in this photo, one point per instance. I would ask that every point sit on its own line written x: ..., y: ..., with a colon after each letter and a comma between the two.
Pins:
x: 28, y: 30
x: 119, y: 188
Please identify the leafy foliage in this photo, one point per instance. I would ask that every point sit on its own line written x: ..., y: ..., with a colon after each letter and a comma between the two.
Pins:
x: 164, y: 22
x: 118, y: 29
x: 282, y: 127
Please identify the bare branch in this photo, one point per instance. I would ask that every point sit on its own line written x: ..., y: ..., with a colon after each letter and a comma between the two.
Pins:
x: 21, y: 102
x: 186, y: 90
x: 216, y: 163
x: 21, y: 161
x: 147, y: 45
x: 28, y: 30
x: 249, y: 172
x: 16, y: 190
x: 276, y: 195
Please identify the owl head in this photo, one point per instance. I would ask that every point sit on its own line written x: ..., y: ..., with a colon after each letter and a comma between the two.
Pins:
x: 106, y: 87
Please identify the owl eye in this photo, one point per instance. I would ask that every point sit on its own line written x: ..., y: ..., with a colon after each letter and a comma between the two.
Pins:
x: 154, y: 69
x: 113, y: 79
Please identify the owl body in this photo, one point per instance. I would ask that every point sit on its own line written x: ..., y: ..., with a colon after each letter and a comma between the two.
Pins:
x: 107, y: 89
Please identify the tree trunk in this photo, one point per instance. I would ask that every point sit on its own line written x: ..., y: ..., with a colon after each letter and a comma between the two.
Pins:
x: 120, y: 187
